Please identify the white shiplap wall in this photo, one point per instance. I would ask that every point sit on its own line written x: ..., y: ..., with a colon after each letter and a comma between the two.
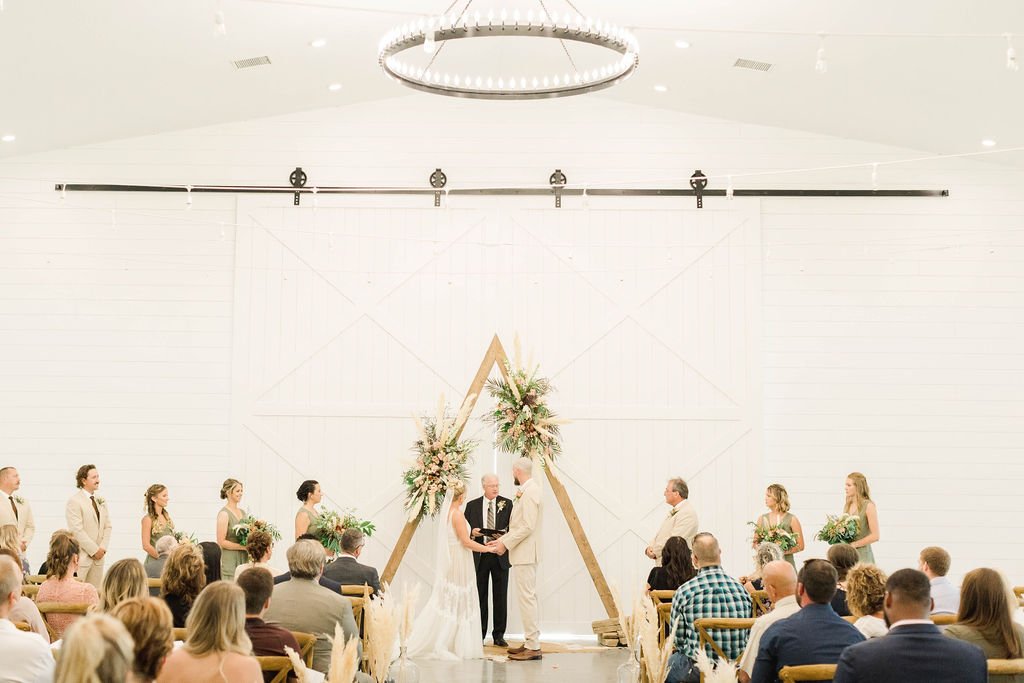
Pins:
x: 891, y: 328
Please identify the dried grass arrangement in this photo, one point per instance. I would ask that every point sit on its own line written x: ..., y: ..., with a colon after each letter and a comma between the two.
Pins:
x: 382, y: 625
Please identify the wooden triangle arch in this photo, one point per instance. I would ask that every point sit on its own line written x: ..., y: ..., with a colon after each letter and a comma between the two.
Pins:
x: 496, y: 355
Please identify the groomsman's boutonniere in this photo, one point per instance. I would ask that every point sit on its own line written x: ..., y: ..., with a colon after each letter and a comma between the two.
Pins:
x: 19, y: 500
x: 501, y: 505
x: 519, y: 494
x: 101, y: 501
x: 673, y: 513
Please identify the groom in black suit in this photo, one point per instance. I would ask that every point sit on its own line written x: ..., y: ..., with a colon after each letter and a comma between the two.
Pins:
x: 491, y: 511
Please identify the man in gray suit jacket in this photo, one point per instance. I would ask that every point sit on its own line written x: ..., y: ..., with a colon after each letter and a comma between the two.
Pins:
x: 302, y: 604
x: 346, y: 569
x: 914, y: 650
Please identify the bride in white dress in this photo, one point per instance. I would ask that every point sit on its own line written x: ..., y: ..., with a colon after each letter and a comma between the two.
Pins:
x: 449, y: 626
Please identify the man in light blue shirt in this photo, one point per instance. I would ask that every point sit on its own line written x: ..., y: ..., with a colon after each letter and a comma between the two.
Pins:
x: 934, y: 562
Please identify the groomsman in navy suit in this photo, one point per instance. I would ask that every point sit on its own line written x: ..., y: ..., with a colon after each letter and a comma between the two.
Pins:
x: 491, y: 511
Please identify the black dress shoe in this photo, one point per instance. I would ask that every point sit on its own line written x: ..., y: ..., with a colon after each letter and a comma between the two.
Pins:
x: 500, y: 642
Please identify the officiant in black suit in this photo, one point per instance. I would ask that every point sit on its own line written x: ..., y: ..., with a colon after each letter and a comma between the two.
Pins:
x: 491, y: 511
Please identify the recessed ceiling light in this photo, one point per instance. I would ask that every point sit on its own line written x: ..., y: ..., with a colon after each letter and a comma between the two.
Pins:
x: 988, y: 142
x: 334, y: 87
x: 682, y: 44
x: 660, y: 88
x: 8, y: 138
x: 319, y: 42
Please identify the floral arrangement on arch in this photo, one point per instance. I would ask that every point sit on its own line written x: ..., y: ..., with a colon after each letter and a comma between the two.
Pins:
x: 774, y: 533
x: 441, y: 459
x: 838, y: 529
x: 330, y: 525
x: 249, y: 523
x: 525, y: 424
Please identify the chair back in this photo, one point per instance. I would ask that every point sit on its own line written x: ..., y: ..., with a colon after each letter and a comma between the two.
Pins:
x: 45, y: 608
x: 943, y: 619
x: 351, y: 589
x: 1005, y: 667
x: 704, y: 626
x: 664, y: 615
x: 180, y: 634
x: 155, y: 583
x: 807, y: 672
x: 279, y: 666
x: 23, y: 626
x: 35, y: 579
x: 851, y: 619
x: 306, y: 643
x: 29, y: 590
x: 761, y: 603
x: 662, y: 596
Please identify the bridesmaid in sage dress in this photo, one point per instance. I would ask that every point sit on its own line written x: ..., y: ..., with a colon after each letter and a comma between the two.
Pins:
x: 155, y: 525
x: 776, y: 499
x: 232, y: 553
x: 859, y: 503
x: 310, y: 495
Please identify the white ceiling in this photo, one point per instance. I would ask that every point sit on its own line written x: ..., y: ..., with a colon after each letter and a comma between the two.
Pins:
x: 83, y: 71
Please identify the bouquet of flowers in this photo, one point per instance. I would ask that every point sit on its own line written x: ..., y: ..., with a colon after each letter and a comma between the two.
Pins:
x: 838, y: 529
x: 441, y: 459
x: 525, y: 423
x: 774, y: 533
x: 249, y: 523
x: 183, y: 537
x: 330, y: 525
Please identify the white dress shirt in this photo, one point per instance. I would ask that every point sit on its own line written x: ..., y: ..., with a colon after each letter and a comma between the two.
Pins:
x: 786, y: 607
x: 27, y: 657
x: 945, y: 595
x: 871, y: 626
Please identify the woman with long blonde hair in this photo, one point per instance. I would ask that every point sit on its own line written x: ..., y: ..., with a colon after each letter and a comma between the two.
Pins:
x: 96, y: 649
x: 776, y: 499
x: 232, y: 553
x: 11, y: 539
x: 217, y: 647
x: 985, y: 617
x: 156, y: 524
x: 126, y: 579
x: 859, y: 504
x: 149, y: 623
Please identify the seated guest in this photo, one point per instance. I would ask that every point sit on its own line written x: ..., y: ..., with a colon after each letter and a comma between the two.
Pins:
x: 148, y: 621
x: 211, y: 559
x: 126, y: 579
x: 986, y: 603
x: 934, y: 562
x: 865, y: 595
x: 323, y: 580
x: 676, y: 566
x: 780, y: 584
x: 766, y: 552
x: 813, y: 635
x: 25, y: 610
x: 26, y: 656
x: 259, y: 546
x: 710, y: 594
x: 96, y: 649
x: 11, y: 540
x: 268, y: 640
x: 914, y: 650
x: 217, y: 648
x: 55, y: 534
x: 301, y: 604
x: 346, y: 569
x: 842, y: 556
x: 183, y: 578
x: 155, y: 567
x: 61, y: 585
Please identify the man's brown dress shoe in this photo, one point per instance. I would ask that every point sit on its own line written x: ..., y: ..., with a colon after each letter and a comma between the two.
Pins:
x: 526, y: 655
x: 516, y: 650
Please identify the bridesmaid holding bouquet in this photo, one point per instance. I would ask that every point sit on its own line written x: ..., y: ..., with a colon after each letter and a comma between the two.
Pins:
x: 779, y: 518
x: 860, y: 505
x: 155, y: 525
x: 232, y: 553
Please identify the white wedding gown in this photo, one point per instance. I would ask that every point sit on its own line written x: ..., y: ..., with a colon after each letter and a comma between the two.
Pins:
x: 449, y: 626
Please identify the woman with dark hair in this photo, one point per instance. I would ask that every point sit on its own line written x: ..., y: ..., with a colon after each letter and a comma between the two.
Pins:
x: 843, y: 557
x: 61, y: 585
x: 309, y: 494
x: 676, y: 566
x: 985, y: 618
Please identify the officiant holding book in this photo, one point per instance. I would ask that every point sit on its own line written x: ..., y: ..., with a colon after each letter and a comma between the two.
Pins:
x: 488, y: 517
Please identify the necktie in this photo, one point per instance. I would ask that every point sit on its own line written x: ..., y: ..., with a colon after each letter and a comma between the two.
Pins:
x: 14, y: 507
x: 490, y: 515
x: 95, y: 508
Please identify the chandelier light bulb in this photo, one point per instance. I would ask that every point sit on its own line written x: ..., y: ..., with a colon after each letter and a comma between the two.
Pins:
x: 728, y: 189
x: 821, y: 65
x: 1011, y: 54
x: 429, y: 43
x: 219, y: 27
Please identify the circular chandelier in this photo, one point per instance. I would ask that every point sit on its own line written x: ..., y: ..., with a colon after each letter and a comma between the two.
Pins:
x: 432, y: 34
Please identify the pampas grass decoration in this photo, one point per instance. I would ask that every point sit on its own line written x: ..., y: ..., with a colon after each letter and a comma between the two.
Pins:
x: 407, y: 614
x: 344, y: 657
x: 301, y: 671
x: 720, y: 672
x: 381, y: 630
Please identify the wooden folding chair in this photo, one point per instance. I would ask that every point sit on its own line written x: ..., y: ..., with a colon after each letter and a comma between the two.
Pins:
x: 279, y: 666
x: 662, y: 596
x: 306, y: 643
x: 850, y: 619
x: 180, y: 634
x: 943, y: 619
x: 1019, y: 592
x: 155, y: 583
x: 45, y: 608
x: 1005, y: 667
x: 761, y: 603
x: 29, y: 590
x: 35, y: 579
x: 357, y: 612
x: 705, y: 625
x: 664, y: 618
x: 808, y: 672
x: 23, y: 626
x: 354, y: 590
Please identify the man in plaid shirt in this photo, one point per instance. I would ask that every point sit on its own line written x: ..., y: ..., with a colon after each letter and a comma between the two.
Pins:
x: 712, y: 594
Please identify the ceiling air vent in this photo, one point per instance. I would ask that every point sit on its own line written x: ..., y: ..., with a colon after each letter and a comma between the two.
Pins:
x: 752, y: 64
x: 251, y: 62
